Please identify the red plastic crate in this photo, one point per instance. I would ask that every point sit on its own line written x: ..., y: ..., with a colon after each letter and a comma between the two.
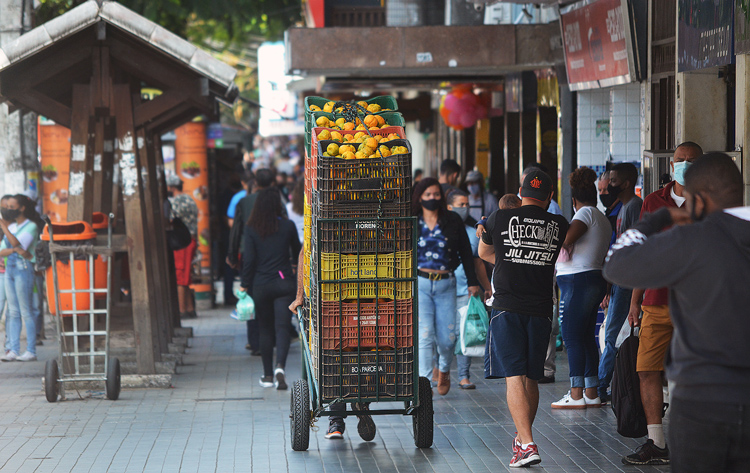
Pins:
x: 371, y: 322
x: 385, y: 131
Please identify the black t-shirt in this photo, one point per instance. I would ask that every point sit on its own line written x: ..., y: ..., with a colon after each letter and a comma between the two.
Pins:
x: 527, y: 241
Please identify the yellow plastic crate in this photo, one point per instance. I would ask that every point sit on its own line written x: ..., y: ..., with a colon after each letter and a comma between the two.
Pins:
x: 389, y: 265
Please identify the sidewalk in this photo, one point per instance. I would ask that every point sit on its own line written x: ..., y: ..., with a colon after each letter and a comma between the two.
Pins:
x: 218, y: 419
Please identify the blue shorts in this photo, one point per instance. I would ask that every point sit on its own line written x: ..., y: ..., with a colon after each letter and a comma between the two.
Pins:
x: 516, y: 345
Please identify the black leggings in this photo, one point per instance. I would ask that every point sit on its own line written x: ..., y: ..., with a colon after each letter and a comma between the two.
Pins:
x: 274, y: 321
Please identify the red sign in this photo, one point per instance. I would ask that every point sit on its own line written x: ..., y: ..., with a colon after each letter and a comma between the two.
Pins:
x: 596, y: 45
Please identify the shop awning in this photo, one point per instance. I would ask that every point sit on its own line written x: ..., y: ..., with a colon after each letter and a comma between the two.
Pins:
x: 424, y: 52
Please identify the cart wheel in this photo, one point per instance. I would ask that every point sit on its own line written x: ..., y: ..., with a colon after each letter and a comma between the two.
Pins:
x: 423, y: 424
x: 300, y: 416
x: 112, y: 386
x: 51, y: 374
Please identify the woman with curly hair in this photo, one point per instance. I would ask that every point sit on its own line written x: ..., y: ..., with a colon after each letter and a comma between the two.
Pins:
x: 582, y: 288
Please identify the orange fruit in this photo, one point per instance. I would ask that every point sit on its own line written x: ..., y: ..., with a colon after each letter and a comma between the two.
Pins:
x: 336, y: 136
x: 380, y: 119
x: 324, y: 135
x: 348, y: 126
x: 373, y: 107
x: 370, y: 120
x: 340, y: 122
x: 371, y: 143
x: 314, y: 108
x: 348, y: 155
x: 322, y: 121
x: 333, y: 149
x: 328, y: 107
x: 362, y: 104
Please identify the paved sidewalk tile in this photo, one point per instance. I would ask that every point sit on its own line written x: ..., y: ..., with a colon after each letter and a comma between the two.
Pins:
x: 217, y: 418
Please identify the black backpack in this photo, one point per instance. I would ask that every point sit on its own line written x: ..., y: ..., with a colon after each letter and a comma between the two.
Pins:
x: 626, y: 391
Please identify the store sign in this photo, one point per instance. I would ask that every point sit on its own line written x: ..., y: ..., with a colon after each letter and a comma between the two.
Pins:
x: 705, y: 34
x: 595, y: 35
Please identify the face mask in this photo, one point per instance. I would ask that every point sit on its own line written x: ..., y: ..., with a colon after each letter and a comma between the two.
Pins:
x: 462, y: 212
x: 474, y: 189
x: 170, y: 193
x: 614, y: 191
x: 695, y: 216
x: 10, y: 214
x: 431, y: 204
x: 679, y: 172
x: 607, y: 200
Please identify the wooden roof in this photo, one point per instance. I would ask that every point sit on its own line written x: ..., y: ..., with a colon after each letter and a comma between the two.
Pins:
x: 101, y: 43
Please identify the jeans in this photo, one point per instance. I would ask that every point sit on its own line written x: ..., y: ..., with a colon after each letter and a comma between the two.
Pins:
x: 709, y: 436
x: 19, y: 286
x: 464, y: 362
x: 437, y: 323
x: 274, y: 321
x: 619, y: 306
x: 36, y: 305
x: 580, y: 296
x: 6, y: 345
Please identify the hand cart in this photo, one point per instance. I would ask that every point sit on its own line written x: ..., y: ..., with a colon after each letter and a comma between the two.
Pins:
x: 364, y: 351
x: 82, y: 297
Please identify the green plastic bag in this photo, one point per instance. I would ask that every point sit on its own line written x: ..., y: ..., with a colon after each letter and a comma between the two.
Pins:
x: 473, y: 327
x: 245, y: 307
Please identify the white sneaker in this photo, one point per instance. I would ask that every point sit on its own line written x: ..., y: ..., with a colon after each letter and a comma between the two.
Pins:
x: 27, y: 356
x: 568, y: 402
x: 596, y: 402
x: 10, y: 356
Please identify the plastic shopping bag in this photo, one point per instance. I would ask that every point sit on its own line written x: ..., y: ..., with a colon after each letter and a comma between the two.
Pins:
x: 473, y: 327
x: 245, y: 307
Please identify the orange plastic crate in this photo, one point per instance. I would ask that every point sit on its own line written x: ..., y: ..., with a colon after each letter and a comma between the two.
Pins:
x: 368, y: 326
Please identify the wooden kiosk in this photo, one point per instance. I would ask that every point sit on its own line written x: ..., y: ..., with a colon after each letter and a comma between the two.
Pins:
x: 85, y: 70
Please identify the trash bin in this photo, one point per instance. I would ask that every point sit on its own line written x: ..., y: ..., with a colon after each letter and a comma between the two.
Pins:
x: 100, y: 224
x: 70, y: 234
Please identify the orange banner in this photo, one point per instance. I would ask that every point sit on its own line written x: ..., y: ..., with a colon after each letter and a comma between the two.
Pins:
x: 54, y: 148
x: 191, y: 165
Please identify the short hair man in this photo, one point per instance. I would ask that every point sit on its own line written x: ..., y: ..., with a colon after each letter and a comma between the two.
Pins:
x: 184, y: 208
x: 705, y: 266
x: 656, y: 326
x: 622, y: 180
x: 450, y: 172
x: 458, y: 201
x: 523, y: 244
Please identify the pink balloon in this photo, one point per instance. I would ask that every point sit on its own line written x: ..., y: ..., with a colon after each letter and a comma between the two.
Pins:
x: 454, y: 118
x: 467, y: 120
x: 450, y: 101
x: 481, y: 112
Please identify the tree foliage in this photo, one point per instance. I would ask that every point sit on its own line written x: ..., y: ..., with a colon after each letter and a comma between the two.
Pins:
x: 231, y: 30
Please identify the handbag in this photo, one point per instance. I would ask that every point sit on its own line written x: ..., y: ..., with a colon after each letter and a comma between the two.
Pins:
x: 179, y: 236
x: 473, y: 328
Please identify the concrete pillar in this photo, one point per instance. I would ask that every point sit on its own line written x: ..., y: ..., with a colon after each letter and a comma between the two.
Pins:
x: 701, y: 109
x: 742, y: 118
x: 569, y: 151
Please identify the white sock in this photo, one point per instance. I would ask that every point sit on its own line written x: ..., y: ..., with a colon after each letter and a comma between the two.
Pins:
x: 524, y: 446
x: 656, y: 433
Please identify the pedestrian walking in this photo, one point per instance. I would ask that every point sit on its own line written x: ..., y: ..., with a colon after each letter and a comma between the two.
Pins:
x: 458, y: 202
x: 18, y: 247
x: 441, y: 246
x: 481, y: 202
x: 704, y: 262
x: 270, y: 243
x: 582, y: 289
x: 523, y: 244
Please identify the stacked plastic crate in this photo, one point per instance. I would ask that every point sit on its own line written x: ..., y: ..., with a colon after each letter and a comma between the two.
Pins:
x: 359, y: 259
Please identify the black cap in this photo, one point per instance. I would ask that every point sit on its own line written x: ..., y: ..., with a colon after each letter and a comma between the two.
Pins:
x: 537, y: 185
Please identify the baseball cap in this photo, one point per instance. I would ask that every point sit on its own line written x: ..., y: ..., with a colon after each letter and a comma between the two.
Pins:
x: 537, y: 185
x: 172, y: 179
x: 474, y: 176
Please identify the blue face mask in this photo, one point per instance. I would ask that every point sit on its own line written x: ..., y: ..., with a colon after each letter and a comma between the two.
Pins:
x: 474, y: 189
x: 679, y: 172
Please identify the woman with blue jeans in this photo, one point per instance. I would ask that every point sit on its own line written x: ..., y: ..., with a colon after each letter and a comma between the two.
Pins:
x: 442, y: 245
x: 18, y: 244
x: 582, y: 288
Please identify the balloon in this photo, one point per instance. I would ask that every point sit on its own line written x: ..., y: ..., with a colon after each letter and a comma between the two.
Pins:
x: 454, y: 120
x: 467, y: 120
x: 449, y: 101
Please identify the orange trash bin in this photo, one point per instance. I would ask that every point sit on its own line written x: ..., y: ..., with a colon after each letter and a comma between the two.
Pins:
x: 72, y: 234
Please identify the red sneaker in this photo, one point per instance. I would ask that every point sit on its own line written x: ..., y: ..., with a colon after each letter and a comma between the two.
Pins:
x: 525, y: 457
